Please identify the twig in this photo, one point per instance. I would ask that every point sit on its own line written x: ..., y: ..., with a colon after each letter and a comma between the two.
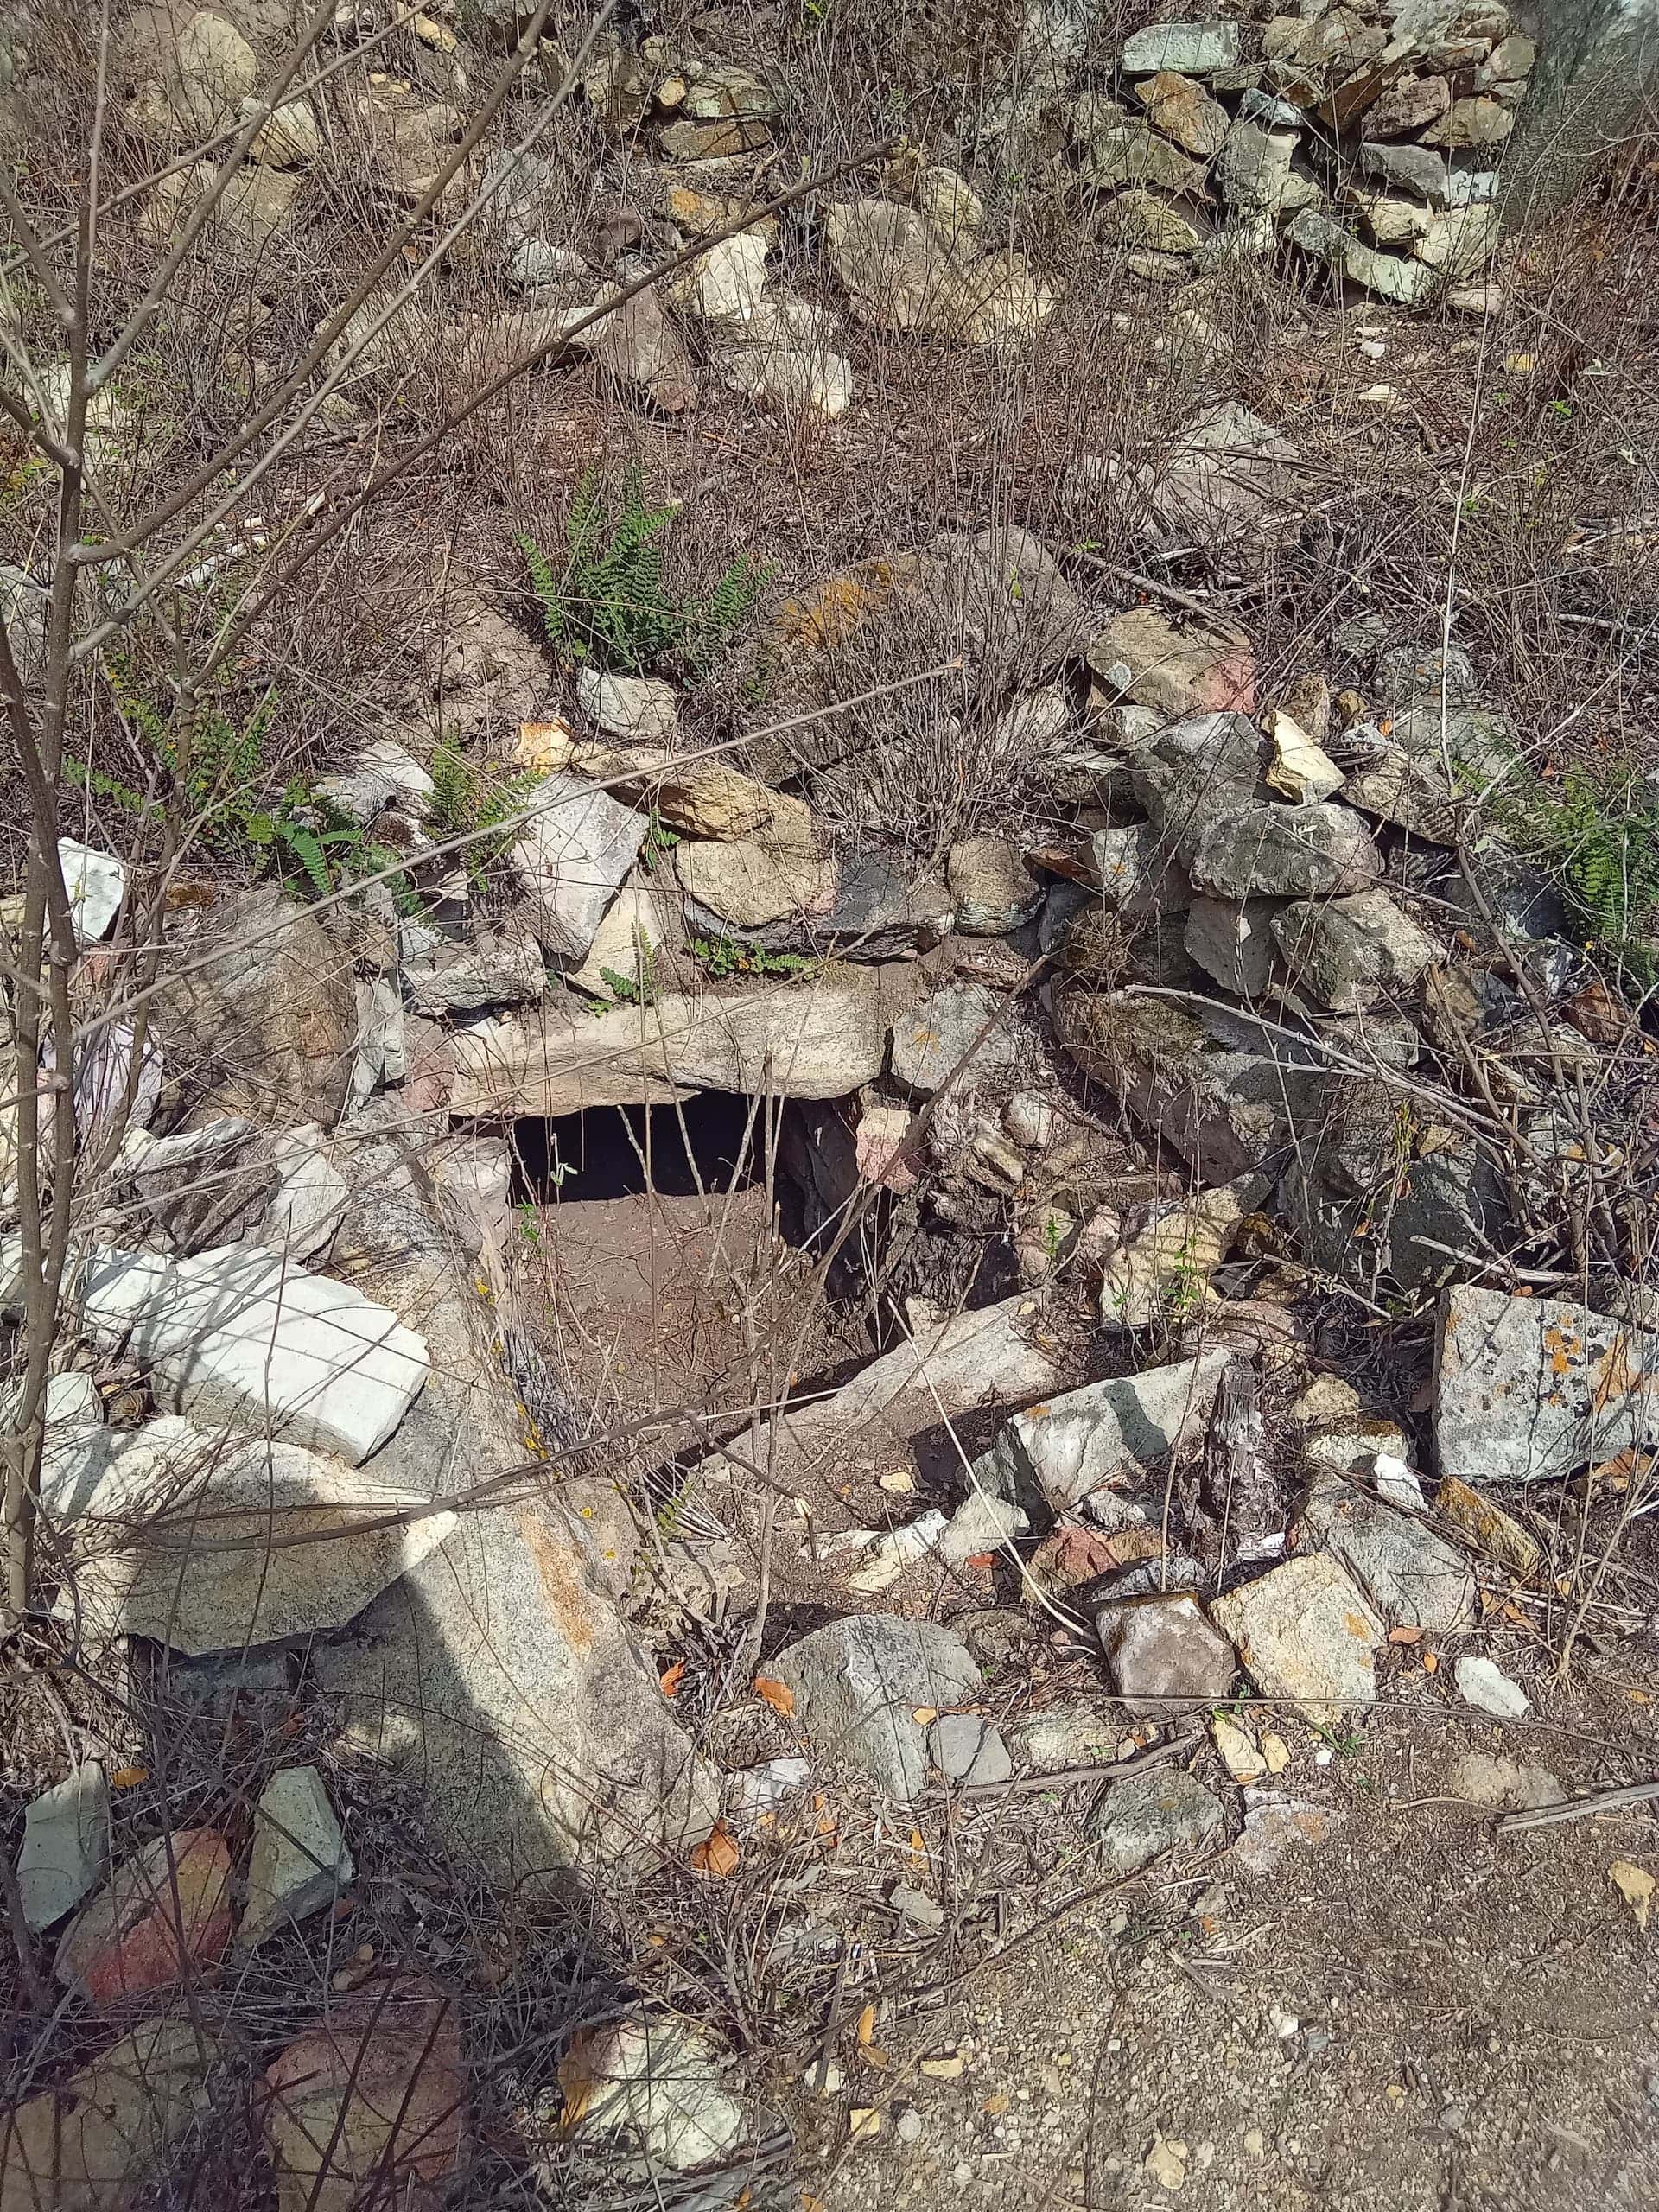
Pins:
x: 1062, y: 1778
x: 1581, y: 1808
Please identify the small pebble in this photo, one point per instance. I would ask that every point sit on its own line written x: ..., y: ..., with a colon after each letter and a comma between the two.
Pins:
x: 908, y: 2126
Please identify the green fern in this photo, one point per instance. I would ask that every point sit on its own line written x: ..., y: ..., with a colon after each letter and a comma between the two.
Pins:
x: 1598, y: 837
x: 612, y: 604
x: 468, y: 801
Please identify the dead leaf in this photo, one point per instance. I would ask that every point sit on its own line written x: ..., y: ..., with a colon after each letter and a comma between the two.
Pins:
x: 717, y: 1855
x: 921, y: 1714
x: 671, y: 1678
x: 863, y: 2124
x: 779, y: 1695
x: 128, y: 1777
x: 982, y: 1558
x: 1410, y: 1635
x: 1636, y: 1885
x: 866, y: 2027
x: 997, y: 2103
x: 945, y: 2066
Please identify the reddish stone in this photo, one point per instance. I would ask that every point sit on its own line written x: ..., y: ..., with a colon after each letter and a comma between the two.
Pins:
x: 375, y: 2091
x: 162, y: 1911
x: 1229, y: 686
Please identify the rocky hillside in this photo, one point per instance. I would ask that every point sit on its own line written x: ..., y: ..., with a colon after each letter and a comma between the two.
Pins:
x: 830, y: 960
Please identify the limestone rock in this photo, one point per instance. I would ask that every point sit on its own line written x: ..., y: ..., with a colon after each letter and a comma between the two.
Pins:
x: 1166, y: 1265
x: 1530, y: 1389
x: 65, y: 1845
x: 639, y: 708
x: 1180, y: 672
x: 748, y: 884
x: 968, y: 1749
x: 310, y: 1198
x: 1195, y: 49
x: 1167, y: 1660
x: 164, y: 1911
x: 994, y: 889
x: 1147, y: 1816
x: 94, y: 882
x: 297, y: 1558
x: 574, y: 856
x: 657, y: 2082
x: 1229, y: 480
x: 858, y: 1682
x: 896, y: 272
x: 1405, y: 106
x: 637, y: 342
x: 1232, y: 940
x: 1482, y: 1683
x: 1277, y: 852
x: 1275, y: 1822
x: 819, y: 1037
x: 1461, y: 241
x: 1053, y: 1456
x: 638, y: 941
x: 1413, y: 1577
x: 91, y: 2144
x: 932, y: 1043
x: 1411, y: 168
x: 1497, y: 1533
x: 300, y: 1862
x: 374, y: 2096
x: 1479, y: 121
x: 241, y: 1336
x: 1140, y: 221
x: 483, y: 970
x: 1127, y: 152
x: 1305, y: 1632
x: 1183, y: 110
x: 1349, y: 953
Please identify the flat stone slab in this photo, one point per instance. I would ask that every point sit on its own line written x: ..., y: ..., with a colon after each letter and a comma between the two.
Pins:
x: 245, y: 1337
x: 1307, y: 1633
x: 819, y: 1037
x: 574, y: 856
x: 209, y: 1543
x: 1528, y: 1389
x: 858, y: 1684
x: 1413, y: 1577
x: 1065, y: 1449
x: 944, y: 1035
x: 65, y: 1845
x: 300, y: 1863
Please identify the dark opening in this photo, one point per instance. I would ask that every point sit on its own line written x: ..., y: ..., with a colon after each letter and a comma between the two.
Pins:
x: 618, y: 1152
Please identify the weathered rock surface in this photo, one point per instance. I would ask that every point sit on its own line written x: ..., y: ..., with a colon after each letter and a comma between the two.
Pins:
x: 819, y: 1037
x: 858, y: 1682
x: 90, y: 2144
x: 300, y: 1862
x: 165, y: 1910
x: 656, y: 2082
x: 482, y: 971
x: 1304, y: 1632
x: 242, y: 1337
x: 943, y: 1034
x: 299, y: 1544
x: 1141, y: 1818
x: 966, y: 1749
x: 1164, y: 1658
x: 573, y: 857
x: 375, y: 2094
x: 1528, y: 1389
x: 1053, y: 1456
x: 1482, y: 1683
x: 1349, y: 953
x: 65, y: 1845
x: 1413, y: 1577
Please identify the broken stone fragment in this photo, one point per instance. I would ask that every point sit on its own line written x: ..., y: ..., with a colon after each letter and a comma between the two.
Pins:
x: 65, y: 1845
x: 373, y: 2096
x: 944, y: 1035
x: 91, y: 2144
x: 656, y: 2082
x: 1413, y: 1577
x: 1051, y: 1457
x: 1305, y: 1632
x: 1530, y: 1389
x: 1143, y: 1818
x: 858, y: 1684
x: 1351, y: 953
x: 164, y: 1911
x: 300, y: 1862
x: 1166, y: 1659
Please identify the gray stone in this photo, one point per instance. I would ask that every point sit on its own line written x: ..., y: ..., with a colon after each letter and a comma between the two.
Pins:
x: 1405, y: 105
x: 1530, y: 1389
x: 1413, y: 1577
x: 1305, y: 1632
x: 1229, y: 480
x: 1127, y: 152
x: 641, y: 709
x: 965, y: 1749
x: 1231, y: 940
x: 1413, y: 169
x: 382, y: 775
x: 747, y: 883
x: 301, y: 1543
x: 1275, y: 1822
x: 1478, y: 121
x: 1483, y: 1684
x: 239, y: 1335
x: 858, y: 1682
x: 819, y: 1037
x: 94, y: 2142
x: 930, y: 1045
x: 94, y: 882
x: 1321, y: 850
x: 658, y: 2082
x: 573, y: 857
x: 994, y: 889
x: 1183, y: 110
x: 66, y: 1849
x: 482, y: 971
x: 1050, y: 1458
x: 1349, y: 953
x: 1166, y: 1659
x: 980, y: 1523
x: 1065, y: 1735
x: 310, y: 1199
x: 1408, y: 283
x: 300, y: 1863
x: 1193, y: 49
x: 1416, y: 1217
x: 1253, y: 171
x: 1149, y: 1816
x: 1138, y: 221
